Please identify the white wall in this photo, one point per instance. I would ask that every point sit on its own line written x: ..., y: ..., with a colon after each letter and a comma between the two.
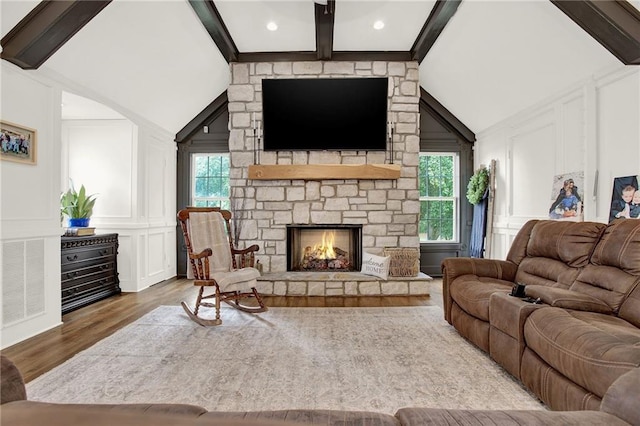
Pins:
x: 132, y: 170
x: 130, y: 164
x: 593, y: 126
x: 29, y: 211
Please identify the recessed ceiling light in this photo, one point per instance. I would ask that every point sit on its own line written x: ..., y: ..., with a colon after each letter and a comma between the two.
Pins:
x: 378, y: 25
x: 272, y: 26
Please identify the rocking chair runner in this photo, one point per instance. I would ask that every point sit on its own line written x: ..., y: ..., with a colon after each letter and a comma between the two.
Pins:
x: 212, y: 257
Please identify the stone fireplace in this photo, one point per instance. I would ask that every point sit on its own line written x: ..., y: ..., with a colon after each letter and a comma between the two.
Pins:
x: 322, y: 248
x: 385, y: 210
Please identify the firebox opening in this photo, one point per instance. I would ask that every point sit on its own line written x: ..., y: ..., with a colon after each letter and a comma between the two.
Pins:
x: 324, y: 247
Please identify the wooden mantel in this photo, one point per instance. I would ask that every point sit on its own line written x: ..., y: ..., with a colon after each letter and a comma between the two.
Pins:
x: 324, y: 171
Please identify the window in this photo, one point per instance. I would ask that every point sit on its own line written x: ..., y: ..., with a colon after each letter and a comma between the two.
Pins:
x: 210, y: 180
x: 439, y: 195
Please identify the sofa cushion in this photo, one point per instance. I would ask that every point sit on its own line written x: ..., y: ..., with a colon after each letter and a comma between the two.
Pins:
x: 620, y: 247
x: 518, y: 250
x: 630, y: 308
x: 614, y: 270
x: 314, y: 417
x: 562, y: 298
x: 590, y: 349
x: 569, y: 242
x: 547, y: 272
x: 556, y: 251
x: 606, y: 283
x: 472, y: 293
x: 445, y: 417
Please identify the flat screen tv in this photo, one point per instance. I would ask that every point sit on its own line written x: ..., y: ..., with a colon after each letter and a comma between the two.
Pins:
x: 341, y: 114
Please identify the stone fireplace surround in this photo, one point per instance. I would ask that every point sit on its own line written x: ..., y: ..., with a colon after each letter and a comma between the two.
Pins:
x: 387, y: 209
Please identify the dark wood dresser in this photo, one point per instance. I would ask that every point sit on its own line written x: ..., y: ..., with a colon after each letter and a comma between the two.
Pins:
x: 89, y: 270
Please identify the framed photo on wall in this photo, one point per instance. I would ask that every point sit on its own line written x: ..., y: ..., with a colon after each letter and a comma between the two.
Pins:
x: 566, y: 196
x: 17, y: 143
x: 625, y: 198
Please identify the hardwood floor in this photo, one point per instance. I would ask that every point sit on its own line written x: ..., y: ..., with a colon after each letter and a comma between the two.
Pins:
x: 86, y: 326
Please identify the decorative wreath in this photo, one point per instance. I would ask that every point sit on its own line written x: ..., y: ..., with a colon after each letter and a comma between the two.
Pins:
x: 478, y: 185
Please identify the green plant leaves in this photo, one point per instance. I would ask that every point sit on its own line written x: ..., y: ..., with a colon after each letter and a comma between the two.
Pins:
x: 77, y: 205
x: 478, y: 185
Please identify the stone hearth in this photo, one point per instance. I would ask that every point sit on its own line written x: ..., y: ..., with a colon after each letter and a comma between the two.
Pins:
x: 340, y: 284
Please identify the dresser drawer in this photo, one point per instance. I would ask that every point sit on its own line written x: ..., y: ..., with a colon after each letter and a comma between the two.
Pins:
x: 81, y: 276
x: 87, y: 293
x: 87, y: 287
x: 73, y: 256
x: 87, y: 263
x: 89, y: 269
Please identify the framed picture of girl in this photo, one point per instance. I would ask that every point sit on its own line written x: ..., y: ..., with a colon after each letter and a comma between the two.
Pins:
x: 566, y: 201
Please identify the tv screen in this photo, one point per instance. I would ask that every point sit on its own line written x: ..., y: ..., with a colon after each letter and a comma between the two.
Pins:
x: 342, y: 114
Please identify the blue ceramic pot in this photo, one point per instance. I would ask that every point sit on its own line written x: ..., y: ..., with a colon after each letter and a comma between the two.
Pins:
x: 82, y: 222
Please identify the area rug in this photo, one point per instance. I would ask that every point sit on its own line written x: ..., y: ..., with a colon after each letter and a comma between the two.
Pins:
x: 378, y: 359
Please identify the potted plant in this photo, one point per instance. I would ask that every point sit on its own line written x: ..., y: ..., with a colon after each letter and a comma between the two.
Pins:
x: 77, y: 206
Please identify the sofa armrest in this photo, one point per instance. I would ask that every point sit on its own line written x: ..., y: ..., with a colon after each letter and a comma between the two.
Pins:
x: 621, y: 398
x: 12, y: 385
x: 567, y: 299
x: 454, y: 267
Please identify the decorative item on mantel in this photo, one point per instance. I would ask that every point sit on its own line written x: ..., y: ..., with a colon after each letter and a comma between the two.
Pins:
x: 78, y: 207
x: 405, y: 261
x: 390, y: 129
x: 257, y: 134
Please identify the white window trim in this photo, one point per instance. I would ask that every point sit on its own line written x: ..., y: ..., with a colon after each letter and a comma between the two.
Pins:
x: 192, y: 184
x: 455, y: 198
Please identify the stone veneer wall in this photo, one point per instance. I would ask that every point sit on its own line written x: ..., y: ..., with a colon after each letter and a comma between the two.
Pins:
x: 387, y: 209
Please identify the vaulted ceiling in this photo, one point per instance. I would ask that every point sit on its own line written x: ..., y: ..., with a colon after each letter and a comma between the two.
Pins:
x: 167, y: 60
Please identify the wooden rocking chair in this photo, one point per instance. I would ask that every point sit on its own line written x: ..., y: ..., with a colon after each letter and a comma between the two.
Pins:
x: 212, y: 257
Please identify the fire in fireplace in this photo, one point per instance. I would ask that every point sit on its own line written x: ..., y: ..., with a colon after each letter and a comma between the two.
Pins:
x: 324, y: 247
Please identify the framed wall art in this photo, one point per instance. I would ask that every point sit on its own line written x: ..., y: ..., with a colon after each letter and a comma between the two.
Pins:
x: 625, y: 198
x: 17, y: 143
x: 566, y: 196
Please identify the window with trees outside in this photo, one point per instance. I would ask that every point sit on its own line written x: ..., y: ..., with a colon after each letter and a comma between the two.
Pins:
x: 210, y: 180
x: 439, y: 197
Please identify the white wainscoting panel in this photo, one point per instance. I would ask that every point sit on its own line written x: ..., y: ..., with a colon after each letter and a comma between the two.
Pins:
x: 13, y: 281
x: 30, y: 290
x: 101, y: 156
x: 532, y: 167
x: 156, y: 165
x: 157, y: 250
x: 34, y: 277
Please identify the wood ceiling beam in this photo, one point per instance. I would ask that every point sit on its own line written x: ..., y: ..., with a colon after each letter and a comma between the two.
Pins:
x: 46, y: 29
x: 324, y: 19
x: 615, y: 24
x: 440, y: 15
x: 213, y: 23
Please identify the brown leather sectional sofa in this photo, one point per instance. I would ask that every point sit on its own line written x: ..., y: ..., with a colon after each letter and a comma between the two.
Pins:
x: 584, y: 332
x: 577, y: 350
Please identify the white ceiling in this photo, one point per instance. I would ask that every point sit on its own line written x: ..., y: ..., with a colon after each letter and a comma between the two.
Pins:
x: 155, y: 59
